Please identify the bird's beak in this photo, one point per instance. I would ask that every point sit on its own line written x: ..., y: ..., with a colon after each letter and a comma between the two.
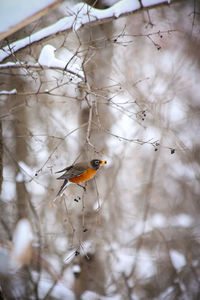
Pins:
x: 103, y: 162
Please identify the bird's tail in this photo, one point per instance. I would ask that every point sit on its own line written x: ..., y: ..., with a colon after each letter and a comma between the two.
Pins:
x: 62, y: 188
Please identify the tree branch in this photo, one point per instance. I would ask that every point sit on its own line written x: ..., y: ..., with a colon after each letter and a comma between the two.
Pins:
x: 81, y: 15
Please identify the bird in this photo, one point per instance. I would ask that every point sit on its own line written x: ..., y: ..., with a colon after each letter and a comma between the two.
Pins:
x: 79, y: 173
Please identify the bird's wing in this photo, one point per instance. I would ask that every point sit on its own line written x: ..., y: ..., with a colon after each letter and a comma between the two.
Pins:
x: 75, y: 170
x: 65, y: 169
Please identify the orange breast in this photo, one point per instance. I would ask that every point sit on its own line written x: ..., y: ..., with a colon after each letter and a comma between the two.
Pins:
x: 85, y: 176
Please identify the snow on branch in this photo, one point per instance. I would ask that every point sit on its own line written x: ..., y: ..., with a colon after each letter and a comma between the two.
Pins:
x: 80, y: 14
x: 71, y: 64
x: 14, y: 91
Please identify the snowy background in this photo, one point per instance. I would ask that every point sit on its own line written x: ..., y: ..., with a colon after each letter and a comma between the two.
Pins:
x: 126, y: 91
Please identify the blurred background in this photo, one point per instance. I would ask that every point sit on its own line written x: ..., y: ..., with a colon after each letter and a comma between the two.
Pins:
x: 131, y: 98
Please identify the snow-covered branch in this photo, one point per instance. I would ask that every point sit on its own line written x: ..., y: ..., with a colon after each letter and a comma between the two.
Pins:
x: 47, y: 59
x: 80, y: 15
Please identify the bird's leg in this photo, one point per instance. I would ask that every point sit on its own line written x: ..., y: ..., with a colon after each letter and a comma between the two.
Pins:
x: 82, y: 186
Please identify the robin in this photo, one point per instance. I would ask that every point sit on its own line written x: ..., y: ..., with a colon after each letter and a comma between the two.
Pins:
x: 79, y: 173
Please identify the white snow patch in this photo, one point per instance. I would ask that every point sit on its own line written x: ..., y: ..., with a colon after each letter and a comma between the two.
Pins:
x: 69, y: 62
x: 97, y: 204
x: 111, y: 288
x: 42, y: 152
x: 124, y: 263
x: 68, y: 276
x: 89, y: 295
x: 124, y: 6
x: 73, y: 61
x: 152, y: 134
x: 113, y: 143
x: 122, y: 260
x: 177, y: 112
x: 85, y: 13
x: 8, y: 171
x: 124, y: 120
x: 184, y: 171
x: 149, y: 69
x: 76, y: 269
x: 10, y: 64
x: 178, y: 259
x: 22, y: 240
x: 114, y: 297
x: 47, y: 58
x: 35, y: 188
x: 159, y: 87
x: 158, y: 220
x: 139, y: 228
x: 27, y: 174
x: 183, y: 220
x: 145, y: 265
x: 59, y: 291
x: 8, y: 190
x: 54, y: 261
x: 61, y: 243
x: 20, y: 177
x: 3, y: 92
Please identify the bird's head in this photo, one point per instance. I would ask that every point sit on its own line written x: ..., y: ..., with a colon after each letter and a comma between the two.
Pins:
x: 96, y: 163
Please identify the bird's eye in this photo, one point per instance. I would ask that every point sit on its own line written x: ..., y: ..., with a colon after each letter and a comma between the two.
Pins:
x: 97, y: 162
